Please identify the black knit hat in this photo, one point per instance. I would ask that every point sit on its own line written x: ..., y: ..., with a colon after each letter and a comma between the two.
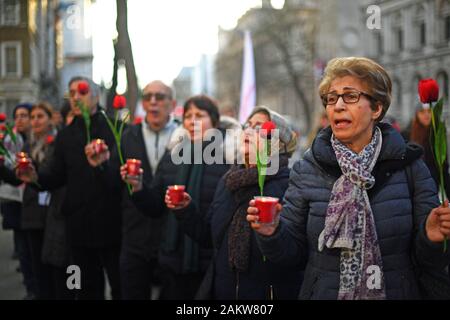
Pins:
x: 24, y: 105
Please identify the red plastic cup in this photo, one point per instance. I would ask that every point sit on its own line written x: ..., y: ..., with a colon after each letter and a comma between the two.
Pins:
x: 99, y: 146
x: 133, y: 166
x: 176, y: 193
x: 266, y: 209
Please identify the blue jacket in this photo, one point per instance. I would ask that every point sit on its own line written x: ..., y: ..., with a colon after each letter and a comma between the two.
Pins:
x: 400, y: 230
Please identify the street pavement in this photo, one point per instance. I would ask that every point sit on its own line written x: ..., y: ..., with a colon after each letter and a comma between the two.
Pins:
x: 11, y: 287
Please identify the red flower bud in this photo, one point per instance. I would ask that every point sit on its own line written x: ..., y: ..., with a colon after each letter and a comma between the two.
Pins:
x: 267, y: 129
x: 83, y: 88
x: 119, y: 102
x: 49, y: 139
x: 137, y: 120
x: 428, y: 90
x: 2, y: 117
x: 2, y: 127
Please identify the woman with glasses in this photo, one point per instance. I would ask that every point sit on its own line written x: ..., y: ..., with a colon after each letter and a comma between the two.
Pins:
x: 361, y: 204
x: 239, y: 271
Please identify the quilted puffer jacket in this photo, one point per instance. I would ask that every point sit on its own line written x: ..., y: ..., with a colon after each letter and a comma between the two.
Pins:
x: 399, y: 218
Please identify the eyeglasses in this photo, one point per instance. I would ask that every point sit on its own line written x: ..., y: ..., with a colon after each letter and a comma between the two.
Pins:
x: 348, y: 97
x: 158, y: 96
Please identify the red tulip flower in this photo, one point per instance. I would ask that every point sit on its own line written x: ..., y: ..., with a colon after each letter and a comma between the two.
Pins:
x: 429, y: 93
x: 428, y: 90
x: 119, y: 102
x: 2, y: 117
x: 3, y: 127
x: 83, y: 88
x: 262, y: 156
x: 49, y: 139
x: 137, y: 120
x: 267, y: 129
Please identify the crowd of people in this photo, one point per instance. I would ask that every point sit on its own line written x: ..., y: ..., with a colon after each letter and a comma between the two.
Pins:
x: 359, y: 213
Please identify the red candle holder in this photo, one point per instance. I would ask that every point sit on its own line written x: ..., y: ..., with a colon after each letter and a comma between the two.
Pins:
x: 176, y: 193
x: 99, y: 146
x: 266, y: 209
x: 133, y: 167
x: 23, y: 162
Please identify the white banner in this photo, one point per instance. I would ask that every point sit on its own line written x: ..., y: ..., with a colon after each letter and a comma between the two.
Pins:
x: 248, y: 85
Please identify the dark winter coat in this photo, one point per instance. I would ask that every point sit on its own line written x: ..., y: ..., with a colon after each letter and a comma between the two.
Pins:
x: 150, y: 201
x: 92, y: 202
x: 33, y: 215
x: 263, y: 279
x: 141, y: 234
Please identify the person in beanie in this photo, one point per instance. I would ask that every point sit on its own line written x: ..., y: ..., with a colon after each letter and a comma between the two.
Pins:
x: 240, y: 271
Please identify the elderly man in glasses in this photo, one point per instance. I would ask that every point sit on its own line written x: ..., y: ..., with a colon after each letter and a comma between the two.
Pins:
x: 141, y: 235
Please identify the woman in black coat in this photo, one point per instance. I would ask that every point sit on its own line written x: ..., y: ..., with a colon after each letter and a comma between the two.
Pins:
x: 240, y: 271
x: 182, y: 260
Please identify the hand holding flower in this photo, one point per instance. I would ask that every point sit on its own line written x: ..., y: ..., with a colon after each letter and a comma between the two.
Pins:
x: 437, y: 226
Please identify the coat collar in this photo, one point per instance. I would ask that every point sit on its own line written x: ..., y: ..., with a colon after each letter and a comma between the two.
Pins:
x: 394, y: 154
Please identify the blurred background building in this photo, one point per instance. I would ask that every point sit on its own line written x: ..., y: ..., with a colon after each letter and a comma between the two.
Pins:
x: 28, y: 52
x: 77, y: 53
x: 43, y: 43
x: 293, y: 44
x: 413, y: 43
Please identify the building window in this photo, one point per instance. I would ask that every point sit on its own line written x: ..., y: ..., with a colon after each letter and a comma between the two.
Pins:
x: 423, y: 38
x: 10, y: 12
x: 11, y: 59
x: 399, y: 35
x: 447, y: 28
x: 379, y: 43
x: 442, y: 79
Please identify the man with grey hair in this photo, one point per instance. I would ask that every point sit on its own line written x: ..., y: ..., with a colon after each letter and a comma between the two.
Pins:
x: 92, y: 203
x: 141, y: 235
